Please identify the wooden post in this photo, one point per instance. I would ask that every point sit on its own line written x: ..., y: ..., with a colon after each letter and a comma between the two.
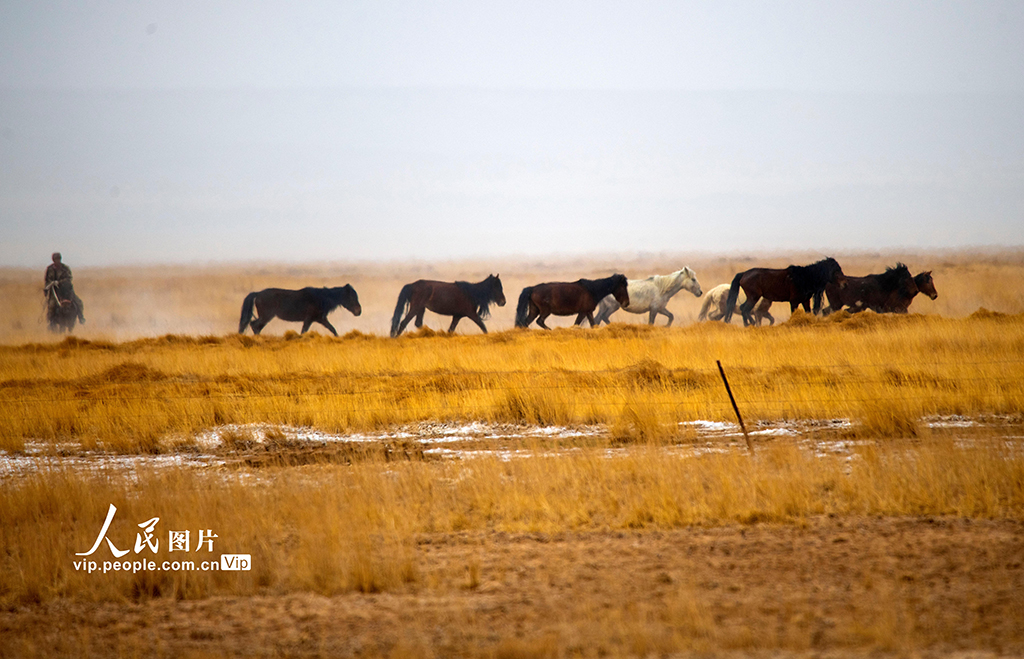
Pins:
x: 728, y: 390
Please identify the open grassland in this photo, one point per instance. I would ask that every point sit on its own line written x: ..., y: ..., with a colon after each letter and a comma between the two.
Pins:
x: 638, y: 539
x: 154, y: 395
x: 575, y: 553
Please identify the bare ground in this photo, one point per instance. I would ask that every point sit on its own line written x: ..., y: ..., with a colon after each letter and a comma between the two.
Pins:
x: 826, y: 587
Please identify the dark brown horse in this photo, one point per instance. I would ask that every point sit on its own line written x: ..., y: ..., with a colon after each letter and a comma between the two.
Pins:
x: 61, y: 310
x: 567, y: 298
x: 308, y: 306
x: 899, y: 303
x: 459, y: 300
x: 796, y: 284
x: 875, y: 292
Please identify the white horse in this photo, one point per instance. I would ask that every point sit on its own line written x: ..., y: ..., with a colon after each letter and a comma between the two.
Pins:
x: 714, y: 305
x: 651, y: 295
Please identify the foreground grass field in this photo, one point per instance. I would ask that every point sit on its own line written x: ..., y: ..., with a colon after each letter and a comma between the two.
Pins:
x: 641, y: 538
x: 909, y: 549
x: 154, y: 395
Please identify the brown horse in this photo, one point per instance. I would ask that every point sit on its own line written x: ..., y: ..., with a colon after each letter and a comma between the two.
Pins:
x: 459, y: 300
x: 875, y: 292
x: 899, y: 303
x: 308, y: 305
x: 567, y: 298
x: 796, y: 284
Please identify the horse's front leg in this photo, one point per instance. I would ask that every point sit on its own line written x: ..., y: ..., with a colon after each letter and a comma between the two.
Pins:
x: 305, y: 325
x: 455, y: 321
x: 326, y: 323
x: 479, y: 323
x: 604, y: 312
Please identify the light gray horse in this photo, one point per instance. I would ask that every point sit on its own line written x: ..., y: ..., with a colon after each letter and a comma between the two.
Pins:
x: 651, y: 295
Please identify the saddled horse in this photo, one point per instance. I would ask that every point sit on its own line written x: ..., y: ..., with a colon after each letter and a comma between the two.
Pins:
x: 307, y: 305
x: 900, y: 303
x: 459, y: 300
x: 875, y: 292
x: 796, y: 284
x: 61, y: 310
x: 651, y: 295
x: 562, y: 298
x: 714, y: 305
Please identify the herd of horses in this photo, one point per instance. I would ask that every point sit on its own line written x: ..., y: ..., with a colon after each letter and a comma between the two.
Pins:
x: 750, y: 294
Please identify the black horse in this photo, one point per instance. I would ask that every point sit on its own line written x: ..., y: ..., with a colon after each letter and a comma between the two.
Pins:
x: 309, y: 305
x: 562, y: 298
x: 459, y: 300
x: 61, y: 310
x: 876, y: 292
x: 796, y: 284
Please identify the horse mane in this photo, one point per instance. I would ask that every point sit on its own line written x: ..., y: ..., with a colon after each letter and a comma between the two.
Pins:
x: 480, y: 294
x: 665, y: 282
x: 599, y: 288
x: 683, y: 273
x: 893, y: 277
x: 811, y: 279
x: 332, y: 297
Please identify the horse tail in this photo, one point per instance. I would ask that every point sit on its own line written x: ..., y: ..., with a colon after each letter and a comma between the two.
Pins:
x: 704, y: 308
x: 400, y: 307
x: 523, y: 308
x: 730, y: 302
x: 247, y: 304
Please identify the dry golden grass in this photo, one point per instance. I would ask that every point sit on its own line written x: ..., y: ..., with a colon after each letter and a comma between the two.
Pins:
x: 151, y: 395
x: 332, y: 529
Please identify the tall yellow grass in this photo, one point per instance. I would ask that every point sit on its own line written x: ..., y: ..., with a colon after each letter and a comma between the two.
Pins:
x: 150, y: 395
x: 331, y: 529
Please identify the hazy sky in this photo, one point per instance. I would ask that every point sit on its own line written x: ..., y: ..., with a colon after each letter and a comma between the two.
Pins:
x: 181, y: 131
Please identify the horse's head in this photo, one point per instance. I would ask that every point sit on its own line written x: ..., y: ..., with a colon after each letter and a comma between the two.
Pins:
x: 621, y: 290
x: 832, y: 269
x: 691, y: 284
x: 926, y: 285
x: 497, y: 293
x: 352, y: 301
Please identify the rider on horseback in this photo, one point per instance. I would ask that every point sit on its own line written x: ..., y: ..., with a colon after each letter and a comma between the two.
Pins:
x: 58, y: 276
